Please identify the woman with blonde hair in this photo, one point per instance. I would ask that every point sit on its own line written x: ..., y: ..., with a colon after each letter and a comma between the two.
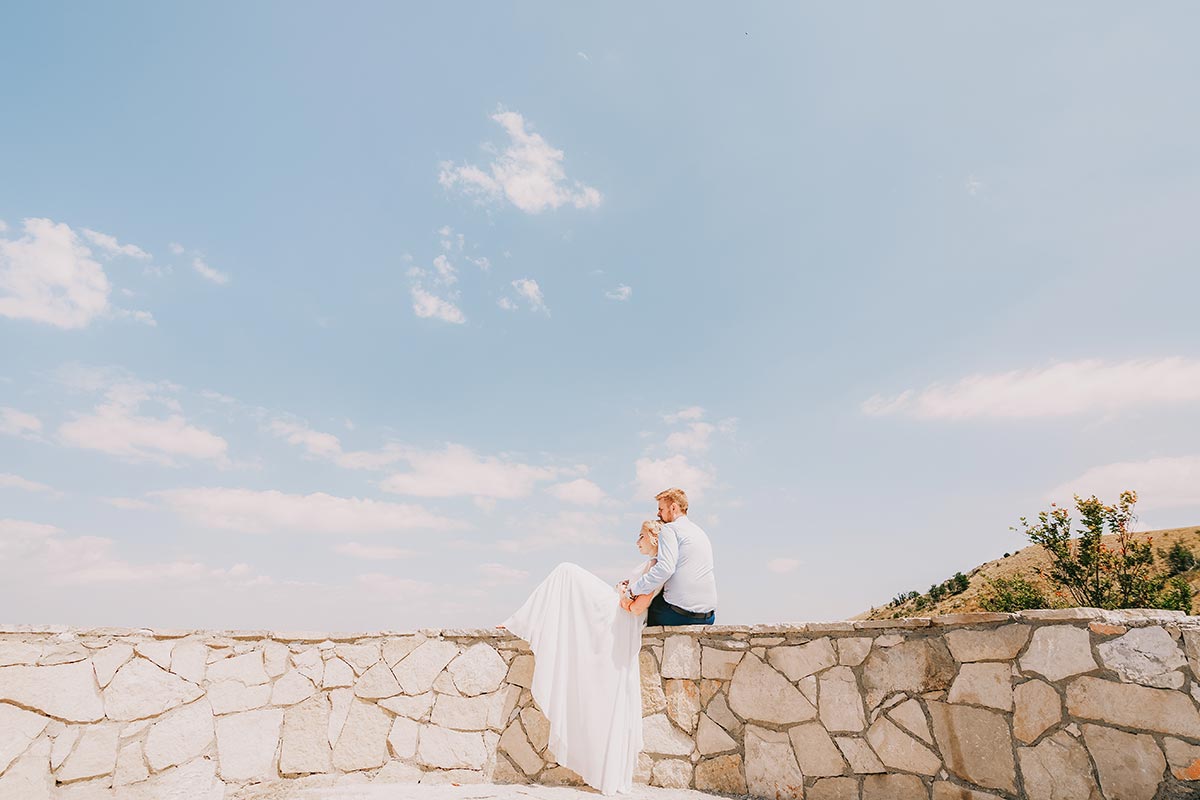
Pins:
x: 586, y: 678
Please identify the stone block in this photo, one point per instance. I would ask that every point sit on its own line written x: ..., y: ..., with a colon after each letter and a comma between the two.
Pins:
x: 984, y: 684
x: 1130, y: 765
x: 305, y: 746
x: 671, y: 773
x: 417, y: 671
x: 1037, y: 708
x: 894, y: 787
x: 758, y: 692
x: 246, y: 744
x: 899, y: 751
x: 141, y: 689
x: 915, y: 666
x: 859, y: 756
x: 841, y: 705
x: 853, y: 649
x: 447, y: 749
x: 723, y: 774
x: 681, y: 657
x: 1183, y: 759
x: 180, y: 735
x: 478, y: 670
x: 65, y: 691
x: 995, y: 644
x: 1133, y: 706
x: 771, y: 768
x: 95, y: 753
x: 683, y: 703
x: 363, y: 740
x: 806, y: 659
x: 718, y: 664
x: 815, y: 751
x: 834, y: 789
x: 976, y: 744
x: 1149, y: 656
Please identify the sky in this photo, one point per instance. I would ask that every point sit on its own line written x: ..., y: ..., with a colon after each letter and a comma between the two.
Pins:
x: 329, y: 317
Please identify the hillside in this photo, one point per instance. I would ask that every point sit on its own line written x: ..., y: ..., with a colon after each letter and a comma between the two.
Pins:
x: 1023, y: 563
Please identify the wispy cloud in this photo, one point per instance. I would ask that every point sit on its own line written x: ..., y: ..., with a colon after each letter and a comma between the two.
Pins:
x: 430, y: 306
x: 500, y: 574
x: 689, y: 414
x: 11, y: 481
x: 14, y: 422
x: 579, y: 492
x: 565, y: 529
x: 112, y: 247
x: 457, y: 471
x: 652, y: 475
x: 49, y: 276
x: 1067, y: 388
x: 1160, y: 482
x: 528, y: 289
x: 372, y: 552
x: 528, y: 173
x: 621, y: 293
x: 208, y: 273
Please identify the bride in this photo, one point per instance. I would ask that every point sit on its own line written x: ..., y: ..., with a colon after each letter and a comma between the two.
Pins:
x: 585, y: 676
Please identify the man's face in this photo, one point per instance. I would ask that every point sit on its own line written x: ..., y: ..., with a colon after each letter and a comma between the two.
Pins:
x: 665, y: 511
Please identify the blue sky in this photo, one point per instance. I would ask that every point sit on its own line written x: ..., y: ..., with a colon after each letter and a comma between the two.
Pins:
x: 364, y: 318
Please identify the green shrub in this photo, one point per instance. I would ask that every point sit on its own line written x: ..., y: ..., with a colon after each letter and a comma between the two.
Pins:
x: 1011, y: 594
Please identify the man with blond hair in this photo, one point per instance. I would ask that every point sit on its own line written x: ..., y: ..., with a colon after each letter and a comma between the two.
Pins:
x: 684, y: 569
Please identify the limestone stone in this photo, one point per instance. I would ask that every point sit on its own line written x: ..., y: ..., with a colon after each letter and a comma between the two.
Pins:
x: 363, y: 741
x: 444, y: 684
x: 834, y: 789
x: 461, y: 713
x: 403, y: 737
x: 478, y: 670
x: 195, y: 780
x: 447, y: 749
x: 859, y: 755
x: 840, y: 702
x: 645, y: 766
x: 400, y: 772
x: 291, y: 689
x: 909, y: 716
x: 758, y: 692
x: 189, y: 660
x: 520, y: 671
x: 1056, y: 769
x: 65, y: 691
x: 338, y: 674
x: 894, y: 787
x: 1037, y: 707
x: 721, y: 774
x: 945, y: 790
x: 514, y: 743
x: 395, y: 649
x: 1059, y: 651
x: 985, y: 684
x: 64, y: 743
x: 653, y: 698
x: 454, y: 777
x: 417, y: 671
x: 560, y: 776
x: 22, y: 653
x: 1183, y: 759
x: 230, y: 696
x: 771, y: 768
x: 108, y: 660
x: 709, y: 688
x: 305, y: 746
x: 683, y: 703
x: 376, y: 682
x: 180, y: 735
x: 1133, y: 706
x: 719, y: 664
x: 361, y: 657
x: 417, y: 707
x: 671, y: 773
x: 142, y: 689
x: 276, y: 658
x: 719, y: 711
x: 29, y: 776
x: 889, y: 640
x: 131, y: 765
x: 995, y: 644
x: 815, y: 751
x: 808, y: 688
x: 663, y: 738
x: 1149, y: 656
x: 914, y: 666
x: 711, y: 738
x: 536, y: 726
x: 853, y: 650
x: 1130, y: 765
x: 501, y: 705
x: 681, y: 657
x: 309, y: 664
x: 247, y: 668
x: 246, y: 744
x: 158, y: 652
x: 18, y: 728
x: 898, y: 750
x: 339, y: 709
x: 975, y: 743
x: 95, y: 754
x: 64, y: 654
x: 805, y: 659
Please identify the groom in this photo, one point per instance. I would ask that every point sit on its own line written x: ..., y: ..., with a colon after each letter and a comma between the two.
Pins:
x: 684, y: 569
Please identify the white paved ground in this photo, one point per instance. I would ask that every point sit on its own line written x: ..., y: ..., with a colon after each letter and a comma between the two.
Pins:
x: 401, y: 791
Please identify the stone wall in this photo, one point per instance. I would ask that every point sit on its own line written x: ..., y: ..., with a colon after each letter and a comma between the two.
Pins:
x: 1044, y: 704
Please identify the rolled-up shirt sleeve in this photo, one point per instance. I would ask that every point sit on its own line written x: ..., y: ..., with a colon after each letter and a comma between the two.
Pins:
x: 668, y: 555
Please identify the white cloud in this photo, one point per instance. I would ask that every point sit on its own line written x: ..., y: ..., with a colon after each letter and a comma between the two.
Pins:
x: 587, y: 528
x: 127, y: 503
x: 654, y: 475
x: 783, y: 565
x: 1072, y: 387
x: 622, y: 293
x: 580, y: 492
x: 176, y: 248
x: 264, y: 511
x: 110, y: 245
x: 1160, y: 482
x: 19, y: 423
x: 583, y: 55
x: 529, y: 289
x: 426, y: 305
x: 459, y: 471
x: 144, y: 317
x: 695, y: 438
x: 11, y: 481
x: 116, y: 427
x: 528, y: 173
x: 49, y: 276
x: 372, y: 552
x: 690, y: 414
x: 500, y: 575
x: 507, y: 304
x: 208, y: 273
x: 447, y: 275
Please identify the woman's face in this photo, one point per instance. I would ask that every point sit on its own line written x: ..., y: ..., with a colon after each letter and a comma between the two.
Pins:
x: 645, y: 543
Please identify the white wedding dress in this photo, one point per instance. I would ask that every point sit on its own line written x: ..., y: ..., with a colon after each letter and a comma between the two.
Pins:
x: 585, y: 675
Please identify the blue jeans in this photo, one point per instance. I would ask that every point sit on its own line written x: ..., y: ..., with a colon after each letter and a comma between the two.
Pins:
x: 660, y: 613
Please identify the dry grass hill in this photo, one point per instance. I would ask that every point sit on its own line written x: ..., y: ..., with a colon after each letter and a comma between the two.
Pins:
x: 1024, y: 563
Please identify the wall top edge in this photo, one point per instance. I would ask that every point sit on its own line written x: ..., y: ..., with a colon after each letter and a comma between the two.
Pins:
x: 1127, y: 617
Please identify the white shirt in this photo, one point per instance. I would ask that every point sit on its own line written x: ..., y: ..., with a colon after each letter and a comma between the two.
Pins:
x: 684, y: 568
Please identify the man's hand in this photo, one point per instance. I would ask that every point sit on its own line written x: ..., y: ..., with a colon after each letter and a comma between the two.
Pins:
x: 626, y: 604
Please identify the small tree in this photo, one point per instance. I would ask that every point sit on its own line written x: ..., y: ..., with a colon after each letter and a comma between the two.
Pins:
x: 1095, y: 574
x: 1011, y: 594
